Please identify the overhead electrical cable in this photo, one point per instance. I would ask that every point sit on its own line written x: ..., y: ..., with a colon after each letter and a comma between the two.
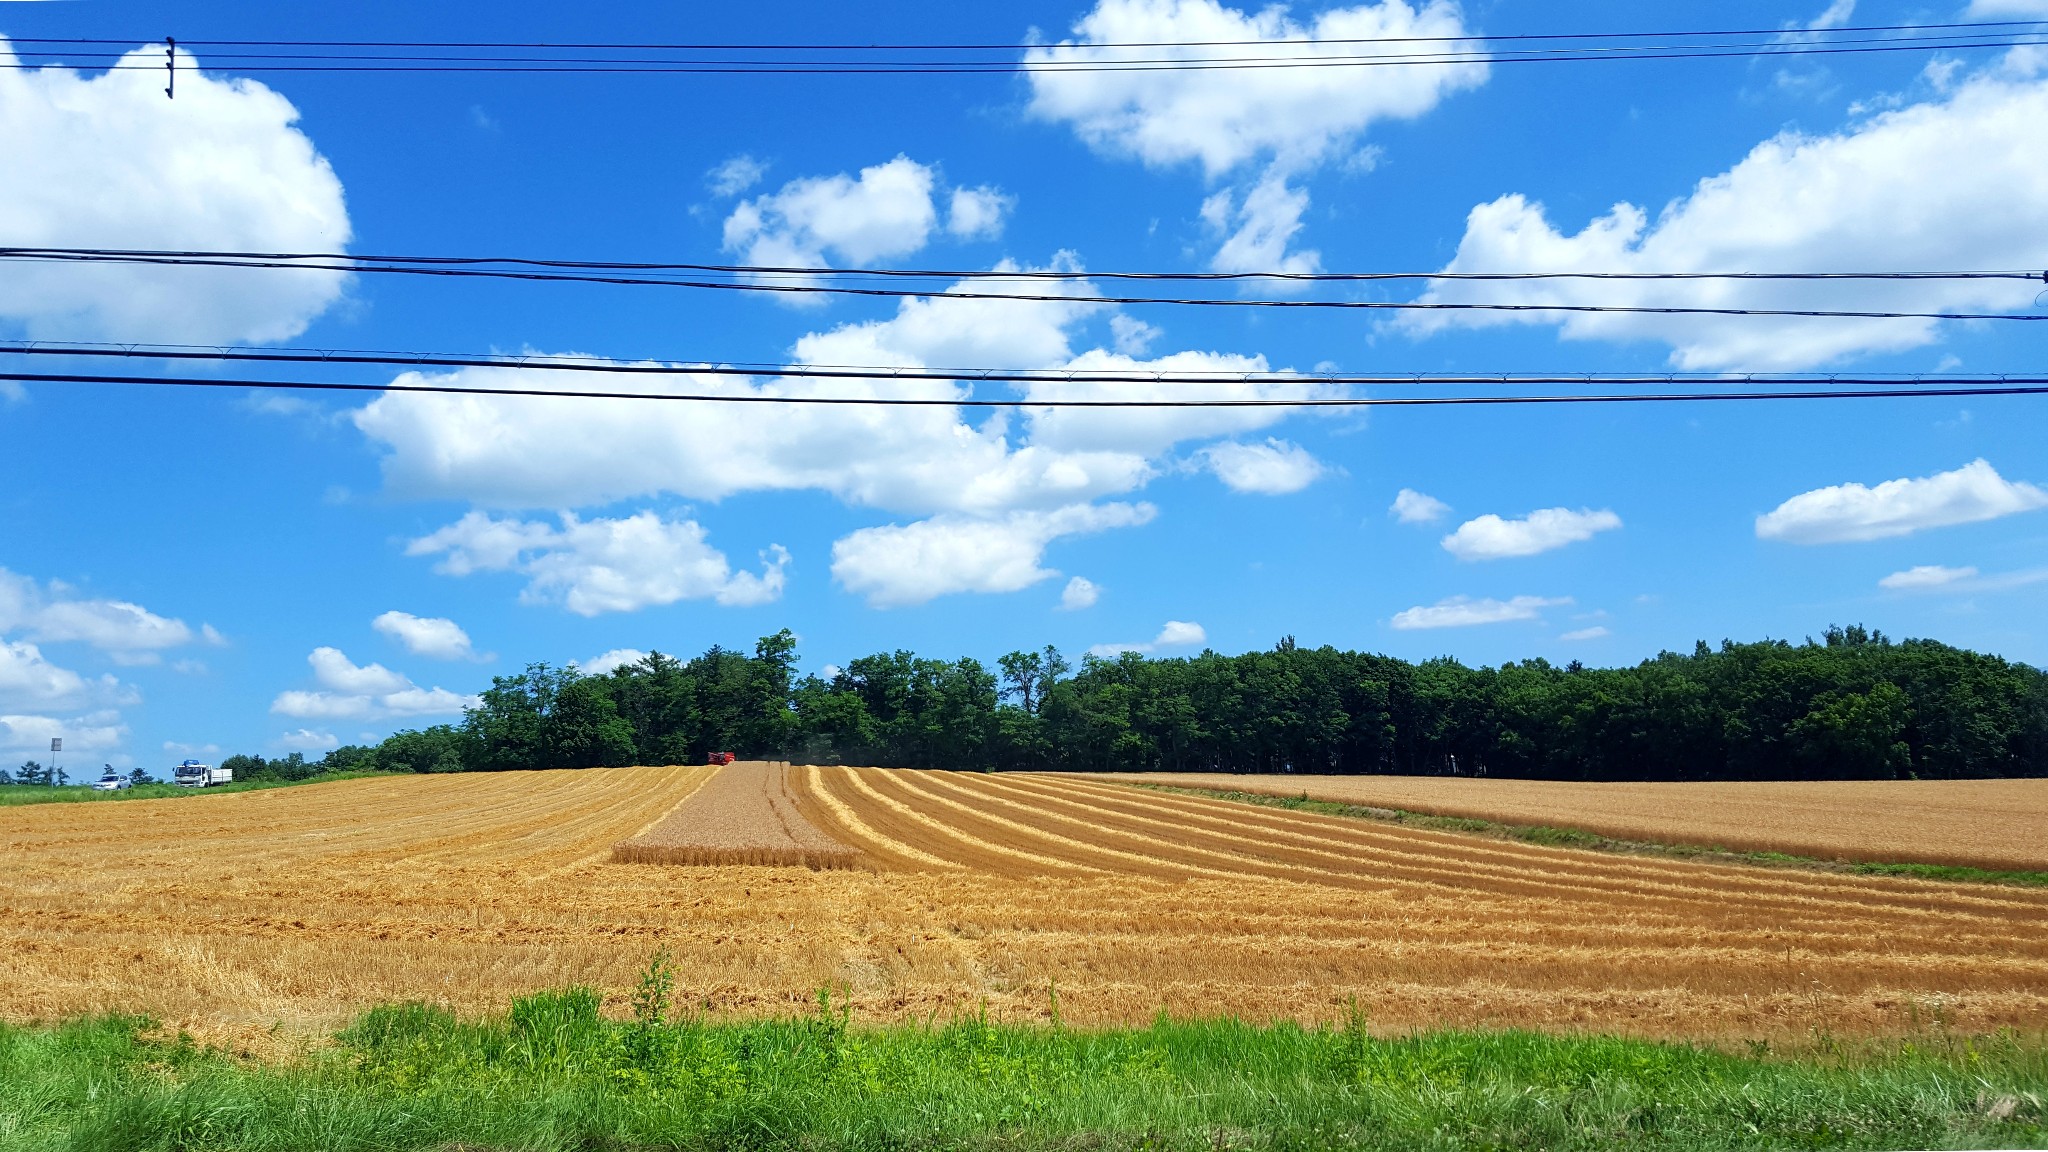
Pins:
x: 354, y: 262
x: 1023, y: 68
x: 344, y: 56
x: 657, y: 367
x: 225, y: 60
x: 709, y: 46
x: 763, y: 284
x: 1844, y: 390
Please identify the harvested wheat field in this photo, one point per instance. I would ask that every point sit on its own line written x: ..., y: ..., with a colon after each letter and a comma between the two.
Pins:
x: 742, y: 815
x: 265, y: 916
x: 1996, y: 824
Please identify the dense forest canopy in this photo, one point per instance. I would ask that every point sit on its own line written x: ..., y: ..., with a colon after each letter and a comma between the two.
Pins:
x: 1853, y: 705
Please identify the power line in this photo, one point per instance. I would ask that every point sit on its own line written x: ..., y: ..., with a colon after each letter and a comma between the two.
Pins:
x: 1027, y: 68
x: 292, y: 259
x: 1778, y: 45
x: 2014, y: 387
x: 614, y: 366
x: 1042, y: 63
x: 771, y: 287
x: 1020, y: 47
x: 1858, y: 389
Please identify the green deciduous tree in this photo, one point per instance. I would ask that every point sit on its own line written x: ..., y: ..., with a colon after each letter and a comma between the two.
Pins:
x: 1855, y: 704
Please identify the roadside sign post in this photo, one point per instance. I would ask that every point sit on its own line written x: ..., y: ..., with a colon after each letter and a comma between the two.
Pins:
x: 56, y: 746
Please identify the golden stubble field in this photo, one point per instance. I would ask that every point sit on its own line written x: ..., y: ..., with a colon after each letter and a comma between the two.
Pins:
x: 279, y: 914
x: 1997, y: 824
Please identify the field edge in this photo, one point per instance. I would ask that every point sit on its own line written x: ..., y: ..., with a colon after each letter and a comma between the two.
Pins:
x: 1565, y: 837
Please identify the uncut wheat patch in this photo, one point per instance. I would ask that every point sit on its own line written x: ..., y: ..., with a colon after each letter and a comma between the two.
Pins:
x: 744, y: 815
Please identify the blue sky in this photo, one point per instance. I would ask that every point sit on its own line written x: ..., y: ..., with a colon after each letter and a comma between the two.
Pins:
x: 202, y: 572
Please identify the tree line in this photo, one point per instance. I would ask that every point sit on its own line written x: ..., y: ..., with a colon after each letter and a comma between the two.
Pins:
x: 32, y: 774
x: 1853, y: 705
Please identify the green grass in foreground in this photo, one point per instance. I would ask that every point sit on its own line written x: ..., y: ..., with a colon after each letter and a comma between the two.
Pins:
x: 553, y: 1074
x: 16, y: 795
x: 1576, y: 838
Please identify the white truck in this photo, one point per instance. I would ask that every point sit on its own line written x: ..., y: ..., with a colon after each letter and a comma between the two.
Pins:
x: 193, y: 774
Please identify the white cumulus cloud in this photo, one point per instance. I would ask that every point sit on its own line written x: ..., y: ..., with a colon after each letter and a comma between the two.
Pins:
x: 978, y: 213
x: 886, y: 211
x: 1412, y: 507
x: 99, y: 732
x: 1925, y: 578
x: 1292, y: 119
x: 1260, y: 229
x: 902, y: 564
x: 1596, y: 632
x: 434, y: 637
x: 554, y: 453
x: 106, y: 162
x: 1956, y: 181
x: 348, y: 691
x: 1224, y: 117
x: 1080, y: 592
x: 1846, y: 513
x: 1465, y: 612
x: 603, y: 665
x: 542, y: 452
x: 1274, y: 468
x: 332, y: 669
x: 1131, y: 336
x: 937, y: 461
x: 1175, y: 634
x: 53, y: 613
x: 1145, y: 432
x: 735, y: 176
x: 1961, y: 581
x: 1490, y: 537
x: 28, y: 680
x: 307, y: 740
x: 604, y: 565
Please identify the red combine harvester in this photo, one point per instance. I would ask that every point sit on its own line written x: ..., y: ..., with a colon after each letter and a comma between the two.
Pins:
x: 721, y: 758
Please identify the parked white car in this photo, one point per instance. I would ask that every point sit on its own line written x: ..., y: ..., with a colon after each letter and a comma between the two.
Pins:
x: 111, y: 781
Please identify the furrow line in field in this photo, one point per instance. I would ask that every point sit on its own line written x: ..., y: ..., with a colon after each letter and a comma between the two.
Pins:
x: 876, y: 783
x: 326, y: 822
x: 1306, y: 864
x: 446, y: 812
x: 1156, y: 851
x: 548, y: 805
x: 1765, y: 888
x: 1977, y: 823
x: 586, y: 834
x: 837, y: 812
x: 1438, y: 875
x: 1437, y: 869
x: 549, y: 810
x: 645, y: 805
x: 685, y: 788
x: 923, y: 783
x: 1845, y: 921
x: 1421, y: 843
x: 542, y: 815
